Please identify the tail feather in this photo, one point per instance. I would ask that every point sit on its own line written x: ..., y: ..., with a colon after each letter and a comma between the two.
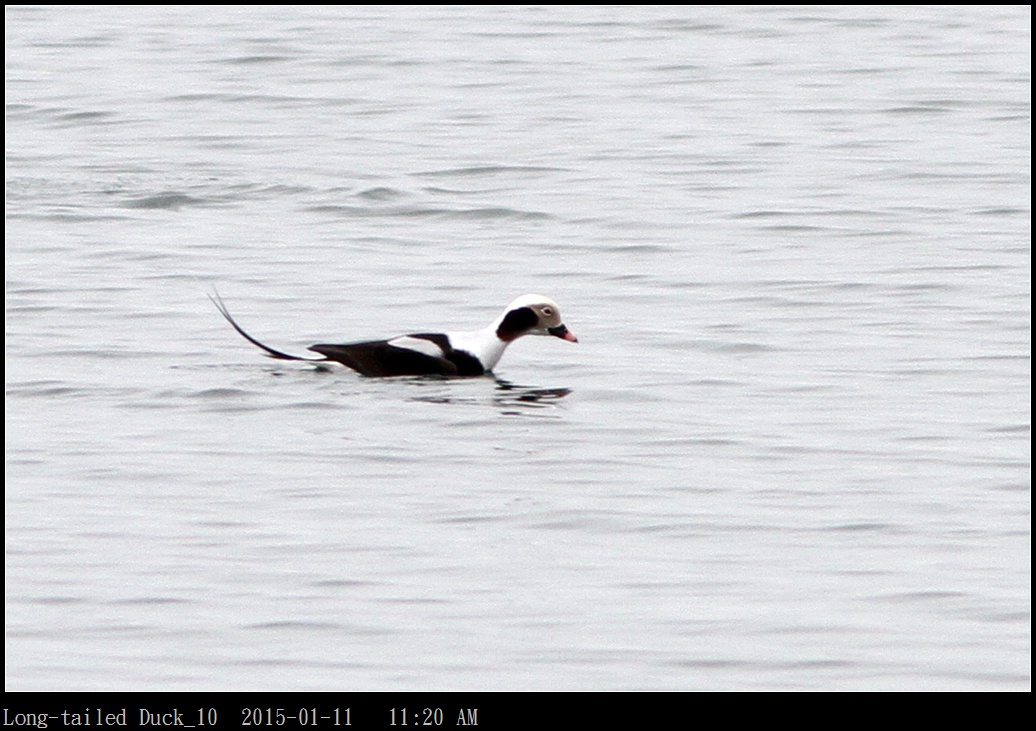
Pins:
x: 270, y: 352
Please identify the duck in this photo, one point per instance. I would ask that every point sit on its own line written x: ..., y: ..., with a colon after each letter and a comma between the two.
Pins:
x: 450, y: 354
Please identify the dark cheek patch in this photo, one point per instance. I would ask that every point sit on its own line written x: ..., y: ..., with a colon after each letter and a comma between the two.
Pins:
x: 516, y: 323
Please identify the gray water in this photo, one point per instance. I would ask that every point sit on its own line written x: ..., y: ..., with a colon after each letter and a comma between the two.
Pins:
x: 790, y: 452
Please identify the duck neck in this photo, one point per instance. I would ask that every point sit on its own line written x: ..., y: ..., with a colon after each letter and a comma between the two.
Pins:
x: 491, y: 347
x: 483, y: 344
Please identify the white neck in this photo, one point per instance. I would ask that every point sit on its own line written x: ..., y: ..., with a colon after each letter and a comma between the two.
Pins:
x: 483, y: 344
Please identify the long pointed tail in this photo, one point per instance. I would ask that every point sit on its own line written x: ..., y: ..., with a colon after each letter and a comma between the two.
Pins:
x: 270, y: 352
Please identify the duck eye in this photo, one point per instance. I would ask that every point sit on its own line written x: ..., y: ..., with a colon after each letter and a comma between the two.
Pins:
x: 547, y: 312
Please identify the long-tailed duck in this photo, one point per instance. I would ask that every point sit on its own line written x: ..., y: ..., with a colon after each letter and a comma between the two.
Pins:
x: 448, y: 354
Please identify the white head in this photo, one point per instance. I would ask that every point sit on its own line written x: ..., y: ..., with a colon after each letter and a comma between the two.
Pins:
x: 532, y: 314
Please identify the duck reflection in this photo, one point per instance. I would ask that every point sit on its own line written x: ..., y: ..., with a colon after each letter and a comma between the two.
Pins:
x: 508, y: 393
x: 510, y: 397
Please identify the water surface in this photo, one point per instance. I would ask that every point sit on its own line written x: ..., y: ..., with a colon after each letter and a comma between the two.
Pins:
x: 790, y: 452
